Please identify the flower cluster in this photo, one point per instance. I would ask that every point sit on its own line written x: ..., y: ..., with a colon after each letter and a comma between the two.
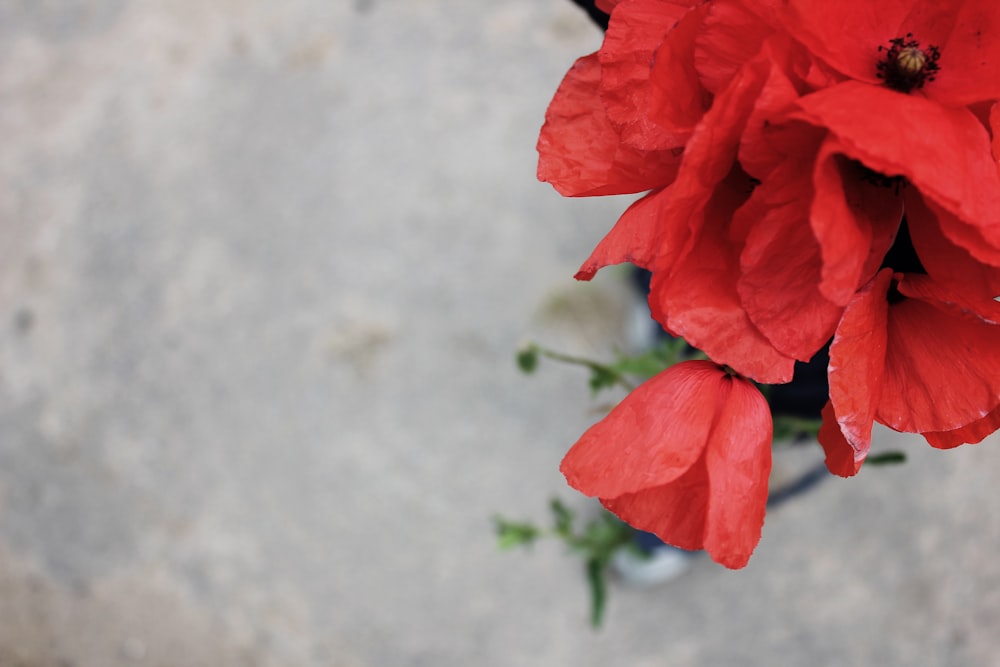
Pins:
x: 817, y: 173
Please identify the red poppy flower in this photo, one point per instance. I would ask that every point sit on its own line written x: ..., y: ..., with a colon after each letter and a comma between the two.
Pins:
x: 916, y: 356
x: 685, y: 456
x: 954, y: 45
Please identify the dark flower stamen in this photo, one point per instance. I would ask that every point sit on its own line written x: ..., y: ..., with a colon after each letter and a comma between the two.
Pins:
x: 906, y: 66
x: 879, y: 179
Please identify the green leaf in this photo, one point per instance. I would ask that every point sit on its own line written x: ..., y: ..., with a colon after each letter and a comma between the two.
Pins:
x: 527, y: 358
x: 512, y: 534
x: 886, y: 458
x: 605, y: 534
x: 598, y: 590
x: 603, y: 377
x: 563, y: 518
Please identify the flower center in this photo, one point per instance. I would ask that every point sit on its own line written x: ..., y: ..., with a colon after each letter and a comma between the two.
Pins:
x: 902, y: 258
x: 906, y: 66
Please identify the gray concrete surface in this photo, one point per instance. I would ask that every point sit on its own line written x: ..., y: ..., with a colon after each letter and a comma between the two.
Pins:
x: 263, y: 267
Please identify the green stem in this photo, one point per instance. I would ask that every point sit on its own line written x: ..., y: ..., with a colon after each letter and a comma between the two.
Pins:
x: 587, y: 363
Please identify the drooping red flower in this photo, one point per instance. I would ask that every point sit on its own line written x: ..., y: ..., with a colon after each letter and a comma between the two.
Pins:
x: 685, y: 456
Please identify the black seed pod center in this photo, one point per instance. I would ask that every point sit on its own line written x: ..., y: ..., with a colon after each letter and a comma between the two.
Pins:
x: 906, y: 66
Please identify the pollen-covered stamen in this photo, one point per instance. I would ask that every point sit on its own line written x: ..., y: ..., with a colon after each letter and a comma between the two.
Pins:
x: 906, y: 66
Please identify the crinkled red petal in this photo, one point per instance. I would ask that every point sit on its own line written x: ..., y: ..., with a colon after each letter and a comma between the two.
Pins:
x: 636, y: 31
x: 730, y: 36
x: 765, y: 144
x: 677, y: 99
x: 653, y: 436
x: 580, y: 151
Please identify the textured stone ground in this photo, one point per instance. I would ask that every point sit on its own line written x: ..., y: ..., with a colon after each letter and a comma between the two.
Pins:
x: 262, y: 270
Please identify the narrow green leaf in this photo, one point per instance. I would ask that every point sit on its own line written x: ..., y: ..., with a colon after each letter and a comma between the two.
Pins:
x: 886, y: 458
x: 598, y: 590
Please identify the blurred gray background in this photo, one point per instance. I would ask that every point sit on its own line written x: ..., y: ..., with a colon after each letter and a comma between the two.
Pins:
x: 263, y: 269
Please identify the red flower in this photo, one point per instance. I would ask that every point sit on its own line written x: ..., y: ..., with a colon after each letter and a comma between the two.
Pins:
x: 847, y: 35
x: 685, y: 456
x: 918, y: 348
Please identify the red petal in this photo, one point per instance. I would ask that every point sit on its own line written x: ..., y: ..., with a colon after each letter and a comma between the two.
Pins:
x: 697, y: 297
x: 981, y: 243
x: 653, y: 436
x: 730, y: 36
x: 765, y: 145
x: 857, y: 360
x: 949, y: 262
x: 580, y: 152
x: 953, y: 299
x: 636, y: 31
x: 970, y: 53
x: 971, y: 434
x: 675, y: 512
x: 780, y: 266
x: 639, y: 237
x: 841, y: 459
x: 942, y: 370
x: 854, y: 221
x: 711, y: 152
x: 738, y: 458
x: 945, y: 152
x: 677, y: 99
